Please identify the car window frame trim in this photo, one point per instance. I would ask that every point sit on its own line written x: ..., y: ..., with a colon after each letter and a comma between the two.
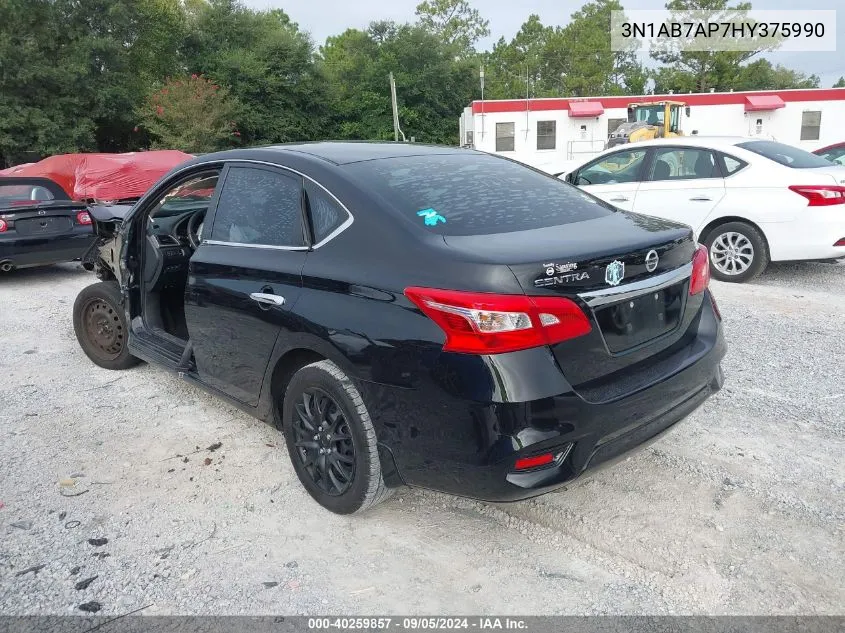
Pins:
x: 303, y: 226
x: 653, y: 151
x: 223, y: 164
x: 722, y: 155
x: 639, y: 174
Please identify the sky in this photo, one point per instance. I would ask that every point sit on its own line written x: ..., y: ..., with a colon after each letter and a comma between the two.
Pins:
x: 331, y: 17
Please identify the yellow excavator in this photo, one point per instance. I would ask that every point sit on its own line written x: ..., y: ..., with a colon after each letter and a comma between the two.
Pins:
x: 648, y: 121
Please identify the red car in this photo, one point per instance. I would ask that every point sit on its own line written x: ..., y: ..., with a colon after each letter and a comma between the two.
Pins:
x: 834, y: 153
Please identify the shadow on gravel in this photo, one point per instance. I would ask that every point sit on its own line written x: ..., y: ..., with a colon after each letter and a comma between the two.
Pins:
x: 811, y: 275
x: 53, y: 273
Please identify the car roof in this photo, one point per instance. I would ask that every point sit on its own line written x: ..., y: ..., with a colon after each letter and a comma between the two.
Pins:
x: 34, y: 181
x: 696, y: 140
x: 344, y: 152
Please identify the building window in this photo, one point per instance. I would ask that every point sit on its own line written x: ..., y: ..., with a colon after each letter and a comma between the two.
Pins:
x: 504, y: 137
x: 546, y: 134
x: 612, y: 124
x: 811, y: 122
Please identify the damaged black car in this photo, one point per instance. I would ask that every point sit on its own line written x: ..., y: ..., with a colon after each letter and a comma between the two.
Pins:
x: 409, y: 314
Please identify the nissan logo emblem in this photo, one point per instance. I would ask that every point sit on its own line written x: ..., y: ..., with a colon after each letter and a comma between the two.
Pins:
x: 651, y: 261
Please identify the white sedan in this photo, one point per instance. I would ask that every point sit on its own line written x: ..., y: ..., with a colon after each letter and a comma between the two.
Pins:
x: 750, y: 201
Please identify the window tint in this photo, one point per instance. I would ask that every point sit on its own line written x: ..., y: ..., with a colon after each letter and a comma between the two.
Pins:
x: 474, y: 194
x: 683, y: 163
x: 612, y: 169
x: 546, y: 134
x: 326, y: 214
x: 811, y: 123
x: 504, y: 137
x: 835, y: 155
x: 785, y: 154
x: 258, y: 206
x: 731, y: 164
x: 189, y: 195
x: 17, y: 195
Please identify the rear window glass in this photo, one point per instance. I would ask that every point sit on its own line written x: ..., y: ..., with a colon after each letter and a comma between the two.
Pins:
x: 785, y: 154
x: 473, y: 194
x: 19, y: 195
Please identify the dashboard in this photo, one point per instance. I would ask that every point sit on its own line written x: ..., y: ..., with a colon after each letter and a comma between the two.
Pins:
x: 169, y: 249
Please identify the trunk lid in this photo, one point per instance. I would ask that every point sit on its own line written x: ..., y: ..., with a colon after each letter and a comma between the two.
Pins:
x: 588, y: 262
x: 47, y: 219
x: 832, y: 175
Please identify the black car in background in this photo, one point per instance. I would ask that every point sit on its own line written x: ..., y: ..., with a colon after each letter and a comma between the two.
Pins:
x: 410, y: 314
x: 40, y: 224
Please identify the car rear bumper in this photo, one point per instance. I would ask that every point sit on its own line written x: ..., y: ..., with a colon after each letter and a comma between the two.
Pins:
x: 811, y: 237
x: 32, y: 251
x: 469, y: 448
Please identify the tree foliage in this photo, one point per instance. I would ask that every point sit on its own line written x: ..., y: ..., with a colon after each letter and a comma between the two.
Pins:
x: 431, y: 86
x: 454, y: 21
x: 80, y: 75
x: 191, y: 114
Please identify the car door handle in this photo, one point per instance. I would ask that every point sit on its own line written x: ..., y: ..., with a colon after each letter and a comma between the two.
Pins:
x: 701, y: 199
x: 619, y: 199
x: 267, y: 299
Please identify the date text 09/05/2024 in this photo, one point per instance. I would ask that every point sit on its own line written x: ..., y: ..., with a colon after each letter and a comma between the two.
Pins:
x: 417, y: 623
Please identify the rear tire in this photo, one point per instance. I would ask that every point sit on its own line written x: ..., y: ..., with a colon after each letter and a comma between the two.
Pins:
x: 100, y: 325
x: 331, y: 440
x: 738, y: 252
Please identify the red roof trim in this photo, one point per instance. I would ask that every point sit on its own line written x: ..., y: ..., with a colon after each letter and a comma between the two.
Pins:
x: 585, y: 108
x: 759, y: 103
x: 700, y: 99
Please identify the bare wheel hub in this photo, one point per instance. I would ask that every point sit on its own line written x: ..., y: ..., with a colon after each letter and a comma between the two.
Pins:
x: 104, y: 329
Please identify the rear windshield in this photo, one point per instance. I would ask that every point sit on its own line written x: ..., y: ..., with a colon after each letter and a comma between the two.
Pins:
x: 15, y: 195
x: 475, y: 194
x: 785, y: 154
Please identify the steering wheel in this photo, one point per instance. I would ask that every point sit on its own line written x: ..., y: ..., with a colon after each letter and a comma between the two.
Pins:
x: 195, y: 229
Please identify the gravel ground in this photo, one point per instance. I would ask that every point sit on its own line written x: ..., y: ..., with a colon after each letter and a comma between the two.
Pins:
x: 739, y: 511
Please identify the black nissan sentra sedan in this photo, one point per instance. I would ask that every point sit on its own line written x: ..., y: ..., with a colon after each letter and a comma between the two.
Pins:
x: 410, y: 315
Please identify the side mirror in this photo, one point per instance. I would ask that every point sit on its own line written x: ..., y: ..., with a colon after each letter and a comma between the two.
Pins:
x: 570, y: 178
x: 687, y: 111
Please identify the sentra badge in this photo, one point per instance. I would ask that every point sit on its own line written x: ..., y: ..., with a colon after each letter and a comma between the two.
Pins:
x: 561, y: 274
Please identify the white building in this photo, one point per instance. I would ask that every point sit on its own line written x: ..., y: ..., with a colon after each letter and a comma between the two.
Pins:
x: 550, y: 132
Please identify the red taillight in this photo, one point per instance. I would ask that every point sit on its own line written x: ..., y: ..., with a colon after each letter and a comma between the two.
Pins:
x: 524, y: 463
x: 700, y: 271
x: 821, y: 195
x: 482, y: 323
x: 840, y: 242
x: 3, y: 226
x: 83, y: 217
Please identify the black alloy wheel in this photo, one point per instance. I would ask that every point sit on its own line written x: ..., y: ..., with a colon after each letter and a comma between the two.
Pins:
x: 331, y: 439
x: 324, y: 443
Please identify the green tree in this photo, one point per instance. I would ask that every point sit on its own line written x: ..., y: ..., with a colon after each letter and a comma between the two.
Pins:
x: 74, y: 71
x: 698, y: 71
x: 191, y: 114
x: 431, y: 86
x: 126, y: 46
x: 455, y: 21
x: 840, y: 83
x: 580, y: 53
x: 761, y: 74
x: 266, y: 62
x: 515, y: 69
